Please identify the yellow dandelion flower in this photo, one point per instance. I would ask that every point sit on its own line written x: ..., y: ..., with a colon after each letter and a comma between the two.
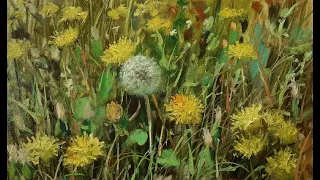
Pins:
x: 83, y: 150
x: 119, y: 52
x: 66, y: 38
x: 242, y: 50
x: 273, y: 119
x: 117, y: 13
x: 41, y: 147
x: 114, y: 111
x: 158, y: 23
x: 249, y: 146
x: 15, y: 50
x: 49, y: 10
x: 248, y: 119
x: 230, y: 13
x: 287, y: 132
x: 73, y: 13
x: 281, y: 165
x: 184, y: 109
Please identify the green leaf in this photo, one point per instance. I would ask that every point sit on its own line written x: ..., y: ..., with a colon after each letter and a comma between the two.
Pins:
x: 233, y: 37
x: 223, y: 56
x: 12, y: 172
x: 106, y: 84
x: 216, y: 134
x: 81, y: 105
x: 95, y: 33
x: 190, y: 160
x: 26, y: 171
x: 77, y: 52
x: 258, y: 30
x: 96, y: 49
x: 295, y: 109
x: 57, y: 130
x: 137, y: 136
x: 213, y: 44
x: 264, y: 53
x: 189, y: 84
x: 207, y: 79
x: 168, y: 159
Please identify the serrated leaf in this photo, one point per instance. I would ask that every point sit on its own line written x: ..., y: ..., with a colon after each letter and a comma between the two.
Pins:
x: 168, y: 159
x: 96, y: 49
x: 137, y: 136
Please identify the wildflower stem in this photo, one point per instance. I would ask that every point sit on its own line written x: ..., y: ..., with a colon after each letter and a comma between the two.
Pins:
x: 150, y: 135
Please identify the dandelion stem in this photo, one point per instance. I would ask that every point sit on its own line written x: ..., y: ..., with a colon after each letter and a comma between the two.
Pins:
x: 150, y: 135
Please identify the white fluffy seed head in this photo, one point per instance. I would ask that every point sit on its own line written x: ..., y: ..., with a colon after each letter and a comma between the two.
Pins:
x: 140, y: 76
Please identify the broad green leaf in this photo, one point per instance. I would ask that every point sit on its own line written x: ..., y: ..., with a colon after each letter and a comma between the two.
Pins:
x: 213, y: 44
x: 137, y: 136
x: 264, y: 53
x: 96, y: 49
x: 258, y: 30
x: 81, y: 106
x: 207, y: 79
x: 12, y: 172
x: 233, y: 37
x: 168, y: 159
x: 216, y: 134
x: 106, y: 84
x: 57, y: 130
x: 26, y: 171
x: 208, y: 23
x: 95, y: 33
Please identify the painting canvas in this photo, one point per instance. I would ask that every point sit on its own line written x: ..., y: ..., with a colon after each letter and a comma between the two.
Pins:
x: 160, y: 89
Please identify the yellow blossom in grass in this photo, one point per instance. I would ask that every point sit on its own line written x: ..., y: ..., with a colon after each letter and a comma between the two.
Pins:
x: 41, y: 147
x: 281, y: 165
x: 230, y: 13
x: 250, y: 145
x: 117, y: 13
x: 73, y: 13
x: 119, y: 52
x: 158, y: 23
x: 48, y: 10
x: 273, y: 119
x: 83, y: 150
x: 242, y: 50
x: 287, y: 132
x: 184, y: 109
x: 66, y: 38
x: 114, y: 111
x: 248, y: 119
x: 15, y: 50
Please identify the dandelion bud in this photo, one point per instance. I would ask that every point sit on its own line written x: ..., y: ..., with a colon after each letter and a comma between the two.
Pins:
x: 224, y: 43
x: 114, y: 111
x: 233, y: 26
x: 207, y: 137
x: 60, y: 111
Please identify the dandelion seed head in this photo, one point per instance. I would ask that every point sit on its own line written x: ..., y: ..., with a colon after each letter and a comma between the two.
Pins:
x: 141, y: 76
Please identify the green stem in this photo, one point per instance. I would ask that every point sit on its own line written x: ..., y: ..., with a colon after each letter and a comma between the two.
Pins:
x: 150, y: 135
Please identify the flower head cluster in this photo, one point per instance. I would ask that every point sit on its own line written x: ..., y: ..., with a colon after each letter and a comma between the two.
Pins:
x: 242, y: 50
x: 184, y: 109
x: 287, y: 132
x: 140, y: 76
x: 73, y: 13
x: 15, y: 50
x: 158, y: 23
x: 117, y: 13
x: 250, y: 145
x: 154, y: 8
x: 118, y: 52
x: 114, y: 111
x: 66, y: 38
x: 281, y: 165
x: 48, y: 10
x: 83, y: 150
x: 248, y: 119
x: 230, y: 13
x: 41, y: 147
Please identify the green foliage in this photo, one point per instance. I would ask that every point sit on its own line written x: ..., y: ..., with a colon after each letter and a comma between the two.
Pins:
x: 168, y: 159
x: 137, y: 136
